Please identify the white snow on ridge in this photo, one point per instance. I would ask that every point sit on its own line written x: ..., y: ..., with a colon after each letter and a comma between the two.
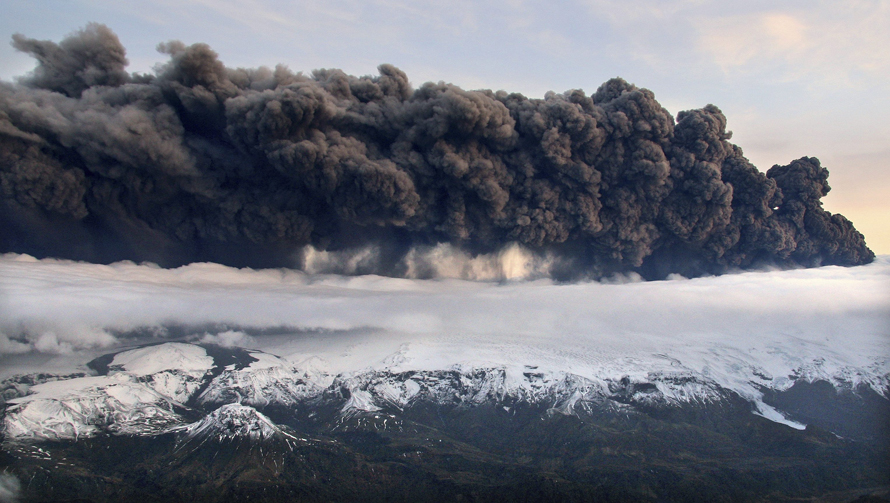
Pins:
x: 170, y: 356
x: 128, y: 403
x: 85, y: 406
x: 560, y: 391
x: 175, y: 370
x: 269, y: 379
x: 136, y: 397
x: 359, y: 401
x: 233, y: 421
x: 742, y: 366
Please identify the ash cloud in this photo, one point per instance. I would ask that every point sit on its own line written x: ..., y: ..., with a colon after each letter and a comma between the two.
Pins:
x: 252, y: 167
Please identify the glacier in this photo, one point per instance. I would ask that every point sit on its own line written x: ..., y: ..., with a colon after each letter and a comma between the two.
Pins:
x: 147, y: 389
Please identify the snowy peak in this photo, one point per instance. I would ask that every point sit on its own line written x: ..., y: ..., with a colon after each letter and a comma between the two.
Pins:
x: 233, y: 421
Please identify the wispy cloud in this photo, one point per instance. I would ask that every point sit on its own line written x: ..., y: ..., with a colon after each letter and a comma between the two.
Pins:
x: 826, y: 43
x: 837, y: 44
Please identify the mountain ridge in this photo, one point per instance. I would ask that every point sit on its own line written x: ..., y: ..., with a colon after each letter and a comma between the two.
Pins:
x: 140, y: 396
x: 256, y: 426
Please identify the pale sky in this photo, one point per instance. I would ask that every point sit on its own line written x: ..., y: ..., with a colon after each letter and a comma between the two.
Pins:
x: 794, y: 78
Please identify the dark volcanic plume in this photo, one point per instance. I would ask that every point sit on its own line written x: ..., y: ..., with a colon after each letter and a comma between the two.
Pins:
x: 247, y: 166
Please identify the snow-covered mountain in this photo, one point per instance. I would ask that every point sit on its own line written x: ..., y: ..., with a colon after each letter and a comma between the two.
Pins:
x: 138, y: 396
x: 182, y: 420
x: 268, y: 379
x: 151, y: 390
x: 234, y: 421
x: 86, y: 406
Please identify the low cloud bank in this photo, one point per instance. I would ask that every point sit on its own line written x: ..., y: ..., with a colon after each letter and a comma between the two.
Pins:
x: 55, y: 306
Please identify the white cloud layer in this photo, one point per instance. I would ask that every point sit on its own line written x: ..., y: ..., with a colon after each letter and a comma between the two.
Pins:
x: 227, y: 339
x: 843, y: 314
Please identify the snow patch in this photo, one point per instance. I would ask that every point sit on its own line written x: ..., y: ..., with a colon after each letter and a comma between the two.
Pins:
x: 359, y: 401
x: 769, y: 412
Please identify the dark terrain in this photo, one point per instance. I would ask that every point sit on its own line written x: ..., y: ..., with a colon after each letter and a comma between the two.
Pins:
x: 429, y: 452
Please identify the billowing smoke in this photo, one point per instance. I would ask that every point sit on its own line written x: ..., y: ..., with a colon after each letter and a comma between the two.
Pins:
x: 263, y: 167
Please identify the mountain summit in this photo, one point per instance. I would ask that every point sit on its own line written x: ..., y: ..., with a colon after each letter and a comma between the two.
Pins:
x: 233, y: 421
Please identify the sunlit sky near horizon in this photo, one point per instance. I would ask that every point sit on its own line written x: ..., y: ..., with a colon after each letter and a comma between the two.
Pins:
x: 794, y: 78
